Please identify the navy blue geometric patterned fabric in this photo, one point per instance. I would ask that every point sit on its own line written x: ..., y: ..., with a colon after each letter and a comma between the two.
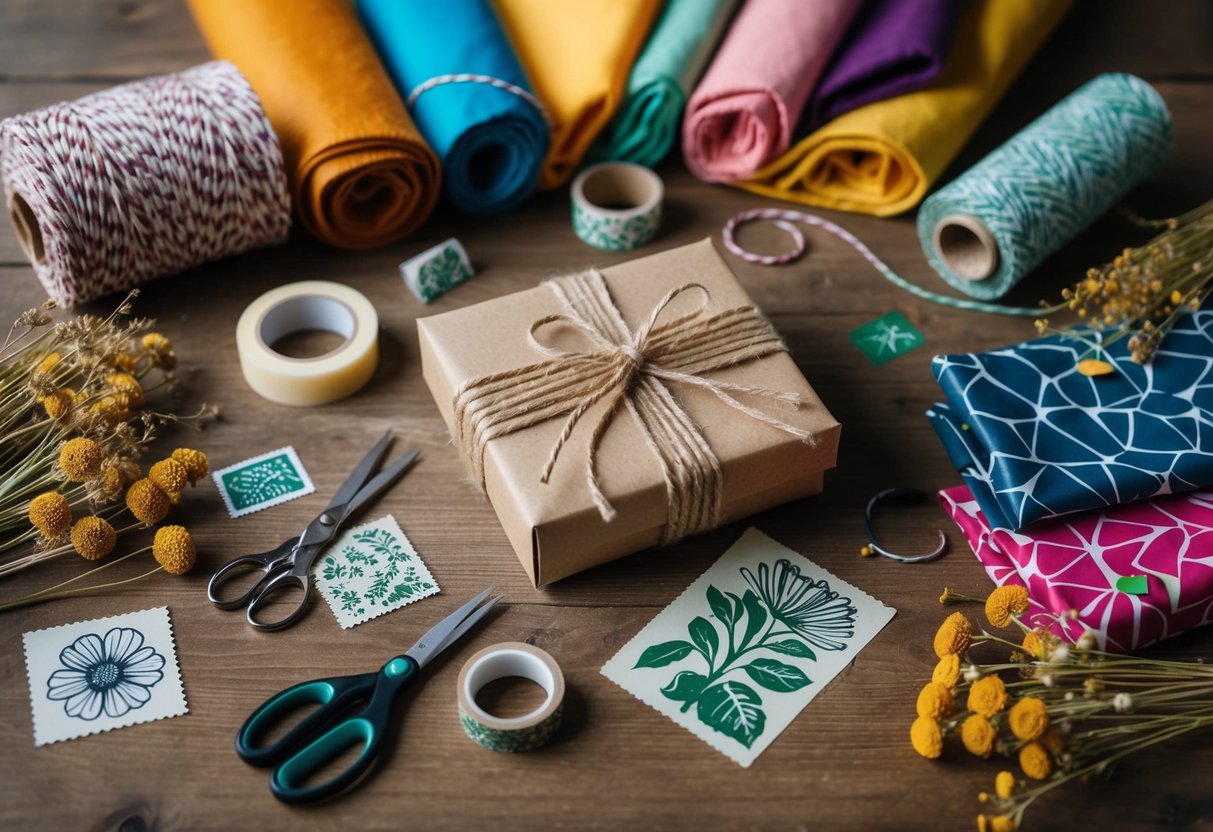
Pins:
x: 1034, y: 438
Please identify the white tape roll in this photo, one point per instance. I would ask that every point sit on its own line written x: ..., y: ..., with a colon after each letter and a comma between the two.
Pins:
x: 617, y: 205
x: 308, y: 305
x: 520, y: 733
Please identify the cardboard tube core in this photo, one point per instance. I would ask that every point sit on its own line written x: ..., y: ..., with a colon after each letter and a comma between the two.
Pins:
x: 28, y: 232
x: 966, y: 246
x: 619, y: 188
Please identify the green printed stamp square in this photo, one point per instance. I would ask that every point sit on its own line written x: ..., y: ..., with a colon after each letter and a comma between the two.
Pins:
x: 887, y: 337
x: 371, y: 570
x: 263, y: 481
x: 437, y: 270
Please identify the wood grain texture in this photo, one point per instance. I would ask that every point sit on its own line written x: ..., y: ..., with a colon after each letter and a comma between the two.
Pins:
x: 845, y: 763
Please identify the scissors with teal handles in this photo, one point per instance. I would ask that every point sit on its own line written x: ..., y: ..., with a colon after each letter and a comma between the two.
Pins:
x: 353, y: 710
x: 287, y: 569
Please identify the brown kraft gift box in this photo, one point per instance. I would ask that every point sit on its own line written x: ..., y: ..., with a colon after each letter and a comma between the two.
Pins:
x: 555, y: 527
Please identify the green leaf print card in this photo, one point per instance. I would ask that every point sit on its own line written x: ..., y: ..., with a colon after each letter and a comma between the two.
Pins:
x: 370, y: 570
x: 741, y: 652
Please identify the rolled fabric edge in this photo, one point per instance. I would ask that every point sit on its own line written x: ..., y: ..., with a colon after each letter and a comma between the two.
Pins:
x: 700, y: 139
x: 645, y: 128
x: 370, y: 191
x: 803, y: 173
x: 494, y: 165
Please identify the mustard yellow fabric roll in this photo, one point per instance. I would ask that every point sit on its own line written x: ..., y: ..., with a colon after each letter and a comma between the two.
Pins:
x: 882, y: 158
x: 578, y: 56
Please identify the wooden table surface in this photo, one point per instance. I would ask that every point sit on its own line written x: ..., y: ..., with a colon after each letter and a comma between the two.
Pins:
x: 844, y: 763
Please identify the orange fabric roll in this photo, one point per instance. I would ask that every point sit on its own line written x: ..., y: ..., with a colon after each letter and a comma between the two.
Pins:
x: 361, y: 175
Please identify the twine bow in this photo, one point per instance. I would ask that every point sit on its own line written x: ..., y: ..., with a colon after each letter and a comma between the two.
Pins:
x: 632, y: 370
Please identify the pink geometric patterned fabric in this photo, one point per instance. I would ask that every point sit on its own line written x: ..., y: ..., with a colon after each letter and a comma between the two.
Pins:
x: 1074, y: 563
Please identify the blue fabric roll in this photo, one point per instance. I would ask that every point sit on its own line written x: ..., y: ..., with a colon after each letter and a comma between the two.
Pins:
x: 491, y: 141
x: 1034, y: 438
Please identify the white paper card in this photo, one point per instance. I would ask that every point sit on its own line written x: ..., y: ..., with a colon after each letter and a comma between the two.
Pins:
x: 740, y: 653
x: 98, y: 675
x: 370, y: 570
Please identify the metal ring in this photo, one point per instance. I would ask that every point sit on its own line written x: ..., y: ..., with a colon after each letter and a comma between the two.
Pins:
x: 900, y: 496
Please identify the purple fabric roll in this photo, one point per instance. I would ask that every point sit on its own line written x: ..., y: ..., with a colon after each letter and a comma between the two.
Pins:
x: 892, y: 47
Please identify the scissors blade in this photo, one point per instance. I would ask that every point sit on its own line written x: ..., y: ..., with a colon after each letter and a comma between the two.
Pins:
x: 381, y: 481
x: 361, y: 472
x: 447, y: 631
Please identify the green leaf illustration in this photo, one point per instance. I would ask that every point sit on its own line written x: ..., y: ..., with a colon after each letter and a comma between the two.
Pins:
x: 685, y: 687
x: 737, y: 606
x: 668, y: 652
x: 720, y: 605
x: 757, y: 615
x: 777, y: 676
x: 732, y: 708
x: 705, y: 637
x: 792, y: 647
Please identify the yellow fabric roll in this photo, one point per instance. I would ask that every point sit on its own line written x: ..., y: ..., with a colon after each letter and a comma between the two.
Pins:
x: 578, y: 56
x: 882, y: 158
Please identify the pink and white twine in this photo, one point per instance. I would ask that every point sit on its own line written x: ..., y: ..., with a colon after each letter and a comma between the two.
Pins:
x: 144, y: 179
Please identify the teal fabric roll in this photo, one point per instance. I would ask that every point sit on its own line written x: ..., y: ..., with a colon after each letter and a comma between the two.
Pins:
x: 673, y: 58
x: 1047, y: 183
x: 491, y: 141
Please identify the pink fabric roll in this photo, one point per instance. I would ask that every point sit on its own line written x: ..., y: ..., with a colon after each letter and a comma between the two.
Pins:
x: 743, y: 112
x: 1075, y: 563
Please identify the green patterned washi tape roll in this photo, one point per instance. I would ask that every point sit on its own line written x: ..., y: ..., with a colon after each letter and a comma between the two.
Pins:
x: 998, y: 220
x: 520, y: 733
x: 617, y: 205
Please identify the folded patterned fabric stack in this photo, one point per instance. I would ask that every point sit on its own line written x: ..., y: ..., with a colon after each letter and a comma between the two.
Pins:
x: 1071, y: 480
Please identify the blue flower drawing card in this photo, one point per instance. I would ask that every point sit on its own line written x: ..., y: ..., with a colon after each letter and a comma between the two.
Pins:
x: 98, y: 675
x: 745, y: 648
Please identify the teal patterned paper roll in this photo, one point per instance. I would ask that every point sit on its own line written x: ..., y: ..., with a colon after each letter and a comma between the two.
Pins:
x: 512, y: 734
x: 985, y: 230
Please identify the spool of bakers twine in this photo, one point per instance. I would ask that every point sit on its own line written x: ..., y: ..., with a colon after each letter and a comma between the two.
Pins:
x: 785, y: 218
x: 144, y: 179
x: 998, y: 220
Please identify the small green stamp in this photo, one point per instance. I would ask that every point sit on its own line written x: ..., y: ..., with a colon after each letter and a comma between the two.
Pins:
x: 437, y: 270
x: 371, y: 570
x: 263, y: 481
x: 1133, y: 585
x: 887, y: 337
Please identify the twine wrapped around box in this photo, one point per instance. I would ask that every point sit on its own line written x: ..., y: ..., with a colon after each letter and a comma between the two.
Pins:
x: 633, y: 370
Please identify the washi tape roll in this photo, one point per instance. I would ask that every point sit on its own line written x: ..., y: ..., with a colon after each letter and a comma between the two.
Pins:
x: 998, y: 220
x: 617, y: 205
x: 299, y: 307
x: 519, y: 733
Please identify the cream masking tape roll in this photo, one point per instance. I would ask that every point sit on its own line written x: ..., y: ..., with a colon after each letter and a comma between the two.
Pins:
x: 296, y: 307
x: 617, y: 205
x: 519, y: 733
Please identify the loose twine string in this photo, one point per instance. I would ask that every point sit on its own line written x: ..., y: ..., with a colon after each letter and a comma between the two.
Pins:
x: 632, y: 370
x: 144, y: 179
x: 473, y: 78
x: 784, y: 219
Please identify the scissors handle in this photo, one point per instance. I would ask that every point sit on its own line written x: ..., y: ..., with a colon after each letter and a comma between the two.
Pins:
x: 326, y: 741
x: 268, y: 563
x: 272, y: 587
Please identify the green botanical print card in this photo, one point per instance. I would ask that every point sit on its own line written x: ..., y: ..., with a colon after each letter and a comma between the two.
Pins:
x: 738, y: 655
x: 370, y: 570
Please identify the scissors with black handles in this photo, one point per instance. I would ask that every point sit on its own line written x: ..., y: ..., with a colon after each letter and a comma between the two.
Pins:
x: 354, y: 710
x: 287, y: 569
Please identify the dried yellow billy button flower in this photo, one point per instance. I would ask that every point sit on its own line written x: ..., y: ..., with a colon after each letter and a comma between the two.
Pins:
x: 1004, y: 602
x: 978, y: 735
x: 147, y: 501
x: 58, y: 404
x: 50, y: 513
x: 935, y: 700
x: 80, y: 459
x: 174, y: 549
x: 988, y: 696
x: 954, y: 635
x: 169, y: 474
x: 997, y: 823
x: 160, y: 349
x: 1004, y: 784
x: 93, y: 537
x: 1028, y: 718
x: 195, y: 462
x: 1034, y: 761
x: 926, y: 737
x: 127, y: 389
